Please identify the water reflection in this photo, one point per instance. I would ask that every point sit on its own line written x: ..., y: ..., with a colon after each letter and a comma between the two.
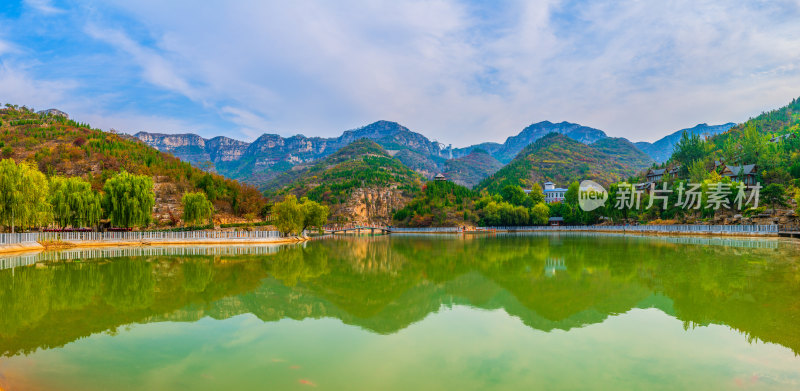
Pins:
x: 385, y: 284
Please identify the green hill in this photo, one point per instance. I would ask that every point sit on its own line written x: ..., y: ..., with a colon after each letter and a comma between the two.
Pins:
x: 361, y: 183
x: 469, y: 170
x: 771, y: 141
x: 439, y: 204
x: 60, y: 146
x: 560, y: 159
x: 624, y: 151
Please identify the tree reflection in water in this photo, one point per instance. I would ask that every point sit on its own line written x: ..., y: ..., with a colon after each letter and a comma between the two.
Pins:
x: 384, y: 284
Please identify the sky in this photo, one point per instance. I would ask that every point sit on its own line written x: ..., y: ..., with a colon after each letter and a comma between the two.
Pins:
x: 459, y: 72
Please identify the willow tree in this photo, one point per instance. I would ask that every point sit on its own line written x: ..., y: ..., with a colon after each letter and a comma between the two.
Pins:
x: 74, y: 202
x: 197, y: 209
x: 290, y: 215
x: 314, y: 214
x: 23, y: 196
x: 129, y: 199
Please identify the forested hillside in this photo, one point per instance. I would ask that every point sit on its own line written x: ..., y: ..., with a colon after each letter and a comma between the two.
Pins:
x: 558, y: 158
x: 360, y: 181
x: 513, y: 145
x: 623, y: 151
x: 469, y: 170
x: 60, y: 146
x: 771, y: 141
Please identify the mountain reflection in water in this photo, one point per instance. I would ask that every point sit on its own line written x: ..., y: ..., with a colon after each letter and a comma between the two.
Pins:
x: 385, y: 284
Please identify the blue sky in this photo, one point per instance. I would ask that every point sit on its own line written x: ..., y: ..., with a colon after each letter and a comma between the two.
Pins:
x: 460, y: 72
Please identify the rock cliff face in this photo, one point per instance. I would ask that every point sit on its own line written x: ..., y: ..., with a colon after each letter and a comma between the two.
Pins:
x: 224, y: 149
x: 188, y: 147
x: 371, y: 206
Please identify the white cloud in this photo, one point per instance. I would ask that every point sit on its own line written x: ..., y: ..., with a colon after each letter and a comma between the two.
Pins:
x: 457, y: 72
x: 44, y: 6
x: 18, y: 87
x: 134, y: 122
x: 155, y: 68
x: 6, y: 47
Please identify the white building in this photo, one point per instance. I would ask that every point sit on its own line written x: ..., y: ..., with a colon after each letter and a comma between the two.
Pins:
x: 552, y: 193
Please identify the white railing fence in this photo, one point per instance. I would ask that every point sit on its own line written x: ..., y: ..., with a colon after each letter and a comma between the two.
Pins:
x: 19, y: 238
x: 431, y: 229
x: 754, y: 229
x: 151, y: 236
x: 145, y: 236
x: 10, y: 262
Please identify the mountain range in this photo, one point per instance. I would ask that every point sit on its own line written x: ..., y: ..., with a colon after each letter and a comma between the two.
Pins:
x: 266, y: 158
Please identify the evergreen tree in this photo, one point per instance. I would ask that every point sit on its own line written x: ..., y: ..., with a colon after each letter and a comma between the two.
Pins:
x: 129, y: 199
x: 698, y: 172
x: 689, y: 149
x: 774, y: 195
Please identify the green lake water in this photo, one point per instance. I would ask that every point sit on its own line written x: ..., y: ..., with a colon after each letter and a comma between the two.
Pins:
x: 408, y: 312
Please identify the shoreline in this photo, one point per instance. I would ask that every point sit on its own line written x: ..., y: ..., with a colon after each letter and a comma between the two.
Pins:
x: 38, y: 247
x: 63, y: 245
x: 648, y: 233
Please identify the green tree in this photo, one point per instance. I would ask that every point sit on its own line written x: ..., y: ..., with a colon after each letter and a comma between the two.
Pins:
x: 797, y: 201
x: 290, y: 215
x: 689, y: 149
x: 314, y: 214
x: 74, y: 202
x: 129, y: 199
x: 197, y: 209
x: 23, y: 196
x: 513, y: 195
x: 536, y: 195
x: 698, y: 172
x: 752, y: 144
x: 774, y: 195
x: 540, y: 214
x: 571, y: 196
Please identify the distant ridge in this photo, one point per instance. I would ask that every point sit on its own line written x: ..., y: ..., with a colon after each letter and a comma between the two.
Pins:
x: 560, y: 159
x: 270, y: 155
x: 266, y: 158
x: 662, y: 149
x: 511, y: 147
